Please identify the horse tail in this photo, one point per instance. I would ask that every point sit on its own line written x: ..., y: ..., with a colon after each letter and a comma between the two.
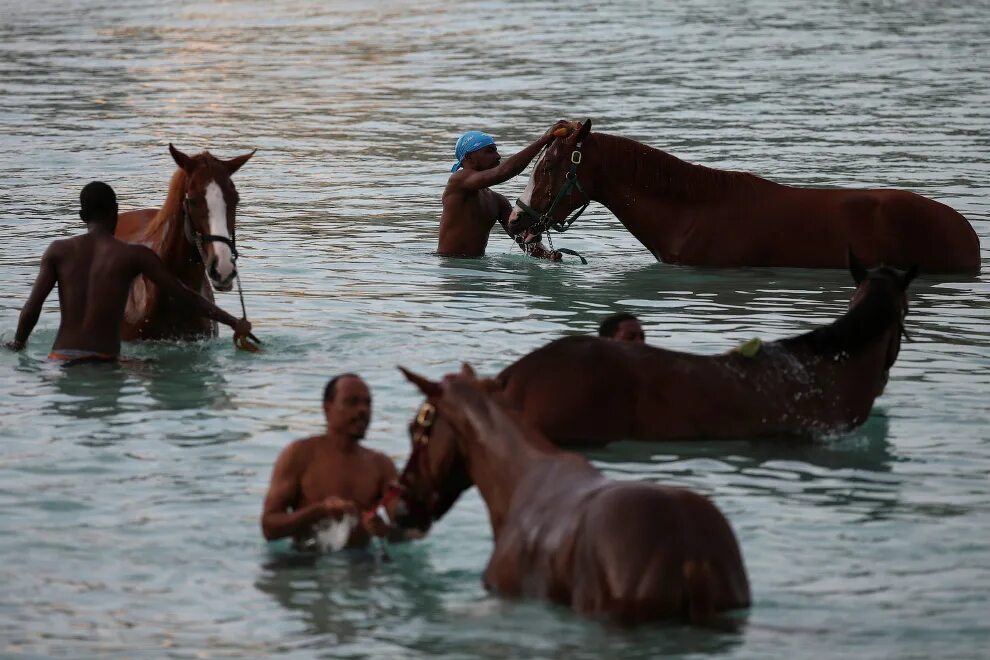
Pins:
x: 699, y: 591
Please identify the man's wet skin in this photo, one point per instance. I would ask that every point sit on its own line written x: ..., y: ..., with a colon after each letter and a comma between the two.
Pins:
x: 326, y: 477
x: 94, y: 273
x: 471, y: 209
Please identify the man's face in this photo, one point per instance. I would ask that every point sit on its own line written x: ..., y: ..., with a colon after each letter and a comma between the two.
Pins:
x: 349, y: 411
x: 483, y: 159
x: 630, y: 330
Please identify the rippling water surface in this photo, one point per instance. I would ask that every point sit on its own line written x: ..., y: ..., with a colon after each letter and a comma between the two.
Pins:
x: 130, y: 496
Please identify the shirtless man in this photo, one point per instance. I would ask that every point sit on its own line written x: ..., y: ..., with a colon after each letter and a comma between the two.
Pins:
x: 330, y: 477
x: 622, y: 327
x: 94, y: 272
x: 470, y: 208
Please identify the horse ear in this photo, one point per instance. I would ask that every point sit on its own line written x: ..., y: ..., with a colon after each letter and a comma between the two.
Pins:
x: 468, y: 372
x: 236, y: 162
x: 182, y: 160
x: 911, y: 273
x: 856, y: 268
x: 581, y: 133
x: 427, y: 387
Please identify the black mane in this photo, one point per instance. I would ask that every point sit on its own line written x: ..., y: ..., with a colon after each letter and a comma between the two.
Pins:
x: 861, y: 325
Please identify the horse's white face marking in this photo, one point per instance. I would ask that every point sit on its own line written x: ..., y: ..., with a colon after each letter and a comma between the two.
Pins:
x: 217, y: 209
x: 527, y: 195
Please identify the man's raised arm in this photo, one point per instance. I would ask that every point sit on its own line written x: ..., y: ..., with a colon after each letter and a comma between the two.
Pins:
x: 508, y: 168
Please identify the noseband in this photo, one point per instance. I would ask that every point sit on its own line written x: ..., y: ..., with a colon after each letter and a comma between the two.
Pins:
x: 543, y: 222
x: 198, y: 239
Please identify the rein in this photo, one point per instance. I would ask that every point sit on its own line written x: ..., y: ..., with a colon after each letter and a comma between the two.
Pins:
x: 197, y: 239
x: 544, y: 222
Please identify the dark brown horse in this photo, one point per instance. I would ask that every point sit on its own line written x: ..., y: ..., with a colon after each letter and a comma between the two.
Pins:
x: 193, y: 233
x: 697, y: 216
x: 627, y: 551
x: 587, y: 390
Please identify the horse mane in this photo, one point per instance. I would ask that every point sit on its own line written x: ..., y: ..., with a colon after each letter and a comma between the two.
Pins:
x: 172, y: 206
x: 657, y: 171
x: 861, y: 325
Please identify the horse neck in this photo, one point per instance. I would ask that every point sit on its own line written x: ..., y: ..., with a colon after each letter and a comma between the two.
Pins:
x: 868, y: 334
x: 648, y: 190
x: 498, y: 453
x: 166, y: 236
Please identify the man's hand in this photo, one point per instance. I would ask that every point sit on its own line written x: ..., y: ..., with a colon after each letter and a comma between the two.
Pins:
x: 335, y: 507
x: 242, y: 328
x: 15, y: 345
x: 374, y: 525
x: 564, y: 127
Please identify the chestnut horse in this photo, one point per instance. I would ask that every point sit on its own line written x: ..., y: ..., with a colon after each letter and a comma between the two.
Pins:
x: 588, y: 390
x: 625, y: 551
x: 697, y: 216
x: 193, y: 233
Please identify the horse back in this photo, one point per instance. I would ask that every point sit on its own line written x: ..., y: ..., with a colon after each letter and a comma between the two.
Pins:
x: 648, y: 552
x: 132, y: 224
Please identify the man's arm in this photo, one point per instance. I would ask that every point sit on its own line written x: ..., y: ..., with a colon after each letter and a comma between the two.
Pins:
x: 508, y: 168
x: 43, y: 285
x: 277, y: 521
x: 152, y: 267
x: 373, y: 524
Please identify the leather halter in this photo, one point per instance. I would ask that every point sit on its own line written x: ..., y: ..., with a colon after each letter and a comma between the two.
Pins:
x: 425, y: 417
x: 198, y: 239
x: 544, y: 221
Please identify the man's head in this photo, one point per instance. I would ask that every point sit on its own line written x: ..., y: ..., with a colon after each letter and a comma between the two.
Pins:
x: 476, y: 151
x: 622, y: 327
x: 98, y: 204
x: 347, y: 405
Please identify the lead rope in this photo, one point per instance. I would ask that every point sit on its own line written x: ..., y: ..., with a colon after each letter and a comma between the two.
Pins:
x: 197, y: 241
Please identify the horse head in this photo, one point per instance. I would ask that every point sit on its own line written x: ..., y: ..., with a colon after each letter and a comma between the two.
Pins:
x: 555, y: 188
x: 882, y: 287
x: 436, y: 473
x: 209, y: 212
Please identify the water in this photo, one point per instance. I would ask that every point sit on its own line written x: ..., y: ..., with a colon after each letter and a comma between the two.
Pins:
x: 130, y: 497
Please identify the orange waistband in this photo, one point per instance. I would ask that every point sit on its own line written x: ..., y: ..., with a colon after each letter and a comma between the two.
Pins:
x: 73, y: 354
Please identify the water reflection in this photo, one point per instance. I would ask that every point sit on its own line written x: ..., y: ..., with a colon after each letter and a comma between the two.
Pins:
x: 347, y: 593
x: 851, y: 471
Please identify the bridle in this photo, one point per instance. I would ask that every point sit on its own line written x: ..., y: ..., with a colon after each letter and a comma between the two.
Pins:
x: 544, y: 221
x: 425, y: 418
x: 197, y: 239
x: 423, y: 425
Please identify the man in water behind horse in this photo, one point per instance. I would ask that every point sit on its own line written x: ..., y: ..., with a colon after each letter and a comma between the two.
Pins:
x: 470, y: 208
x: 94, y: 273
x: 329, y: 481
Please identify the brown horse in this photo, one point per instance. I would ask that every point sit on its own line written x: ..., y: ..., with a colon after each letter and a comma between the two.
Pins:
x: 627, y: 551
x: 193, y: 233
x: 587, y: 390
x: 697, y: 216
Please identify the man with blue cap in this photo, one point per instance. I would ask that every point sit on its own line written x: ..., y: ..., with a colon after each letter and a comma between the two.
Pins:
x: 470, y: 208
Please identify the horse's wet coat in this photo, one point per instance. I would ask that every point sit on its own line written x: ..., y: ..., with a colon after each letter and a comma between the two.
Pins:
x: 587, y: 390
x: 694, y: 215
x: 201, y: 204
x: 628, y: 551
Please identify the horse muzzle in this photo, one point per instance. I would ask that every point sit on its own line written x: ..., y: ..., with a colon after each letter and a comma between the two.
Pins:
x: 221, y: 283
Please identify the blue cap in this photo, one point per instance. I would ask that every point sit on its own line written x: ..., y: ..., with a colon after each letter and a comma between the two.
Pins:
x: 469, y: 142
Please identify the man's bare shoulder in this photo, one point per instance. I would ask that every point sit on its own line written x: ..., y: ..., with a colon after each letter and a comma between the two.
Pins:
x: 297, y: 453
x: 455, y: 186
